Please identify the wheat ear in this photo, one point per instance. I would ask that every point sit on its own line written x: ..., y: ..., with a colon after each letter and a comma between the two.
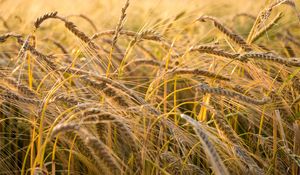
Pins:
x: 22, y: 88
x: 12, y: 96
x: 87, y: 19
x: 142, y: 61
x: 245, y: 15
x: 100, y: 150
x: 120, y: 23
x: 233, y: 137
x: 198, y: 72
x: 121, y: 126
x: 46, y: 16
x: 147, y: 35
x: 100, y: 81
x: 227, y: 32
x: 116, y: 96
x: 280, y: 2
x: 70, y: 100
x: 69, y: 25
x: 40, y: 55
x: 261, y: 32
x: 270, y: 57
x: 5, y: 36
x: 212, y: 50
x: 209, y: 148
x: 231, y: 94
x: 296, y: 148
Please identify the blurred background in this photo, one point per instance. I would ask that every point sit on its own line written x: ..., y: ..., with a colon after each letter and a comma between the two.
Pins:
x: 106, y: 13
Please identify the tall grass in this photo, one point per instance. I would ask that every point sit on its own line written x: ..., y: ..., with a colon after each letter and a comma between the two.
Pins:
x: 150, y: 88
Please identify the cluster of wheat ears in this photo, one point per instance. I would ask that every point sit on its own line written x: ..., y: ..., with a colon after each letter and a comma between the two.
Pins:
x: 151, y: 101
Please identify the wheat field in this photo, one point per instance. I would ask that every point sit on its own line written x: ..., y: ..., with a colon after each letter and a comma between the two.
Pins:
x: 150, y: 87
